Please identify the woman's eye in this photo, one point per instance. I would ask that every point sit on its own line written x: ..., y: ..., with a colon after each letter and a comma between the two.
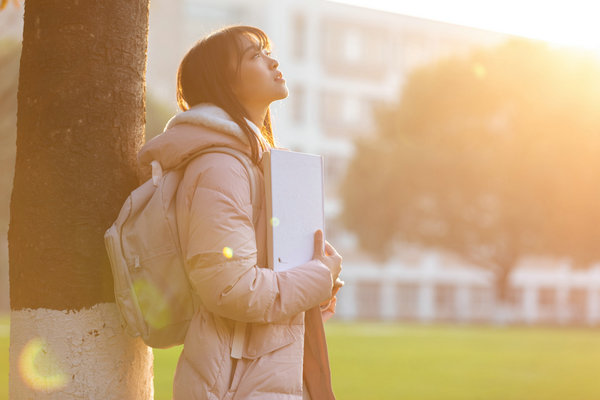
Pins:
x: 260, y: 53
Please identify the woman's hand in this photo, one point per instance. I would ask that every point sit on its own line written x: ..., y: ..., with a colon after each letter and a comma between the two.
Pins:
x: 328, y: 307
x: 325, y: 253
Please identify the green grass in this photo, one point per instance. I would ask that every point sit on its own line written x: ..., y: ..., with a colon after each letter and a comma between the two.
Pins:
x: 378, y: 361
x: 165, y: 362
x: 409, y: 361
x: 4, y: 327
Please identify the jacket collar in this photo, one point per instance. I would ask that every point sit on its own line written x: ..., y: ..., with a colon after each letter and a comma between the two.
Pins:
x: 201, y: 126
x: 209, y: 116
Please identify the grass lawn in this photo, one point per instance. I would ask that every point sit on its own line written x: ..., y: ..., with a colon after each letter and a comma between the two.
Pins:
x: 409, y: 361
x: 4, y: 357
x: 377, y: 361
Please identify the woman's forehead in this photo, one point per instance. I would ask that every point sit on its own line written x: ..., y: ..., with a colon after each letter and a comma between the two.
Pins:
x: 257, y: 39
x: 249, y: 42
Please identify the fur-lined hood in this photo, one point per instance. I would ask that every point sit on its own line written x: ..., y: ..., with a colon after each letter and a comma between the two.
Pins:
x: 201, y: 126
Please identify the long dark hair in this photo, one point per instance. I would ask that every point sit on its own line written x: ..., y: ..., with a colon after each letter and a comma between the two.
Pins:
x: 205, y: 75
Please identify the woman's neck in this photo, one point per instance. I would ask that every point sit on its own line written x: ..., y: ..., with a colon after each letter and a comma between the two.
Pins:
x: 257, y: 115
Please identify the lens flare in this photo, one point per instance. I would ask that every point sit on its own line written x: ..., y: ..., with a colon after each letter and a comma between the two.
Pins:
x: 39, y: 368
x: 227, y: 252
x: 275, y: 222
x: 479, y: 70
x: 153, y: 304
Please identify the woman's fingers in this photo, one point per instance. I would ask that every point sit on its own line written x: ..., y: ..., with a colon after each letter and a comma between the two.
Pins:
x: 327, y: 254
x: 330, y: 250
x: 329, y: 311
x: 318, y: 244
x: 335, y: 290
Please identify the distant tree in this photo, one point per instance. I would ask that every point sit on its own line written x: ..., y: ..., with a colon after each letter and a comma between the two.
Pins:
x: 492, y: 156
x: 80, y: 122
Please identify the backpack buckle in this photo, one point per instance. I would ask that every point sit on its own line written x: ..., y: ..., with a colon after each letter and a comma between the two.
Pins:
x: 157, y: 172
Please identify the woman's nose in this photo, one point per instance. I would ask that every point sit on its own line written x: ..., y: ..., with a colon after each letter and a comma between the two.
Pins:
x: 274, y: 63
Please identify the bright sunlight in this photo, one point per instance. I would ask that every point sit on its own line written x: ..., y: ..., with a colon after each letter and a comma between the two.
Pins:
x: 570, y: 23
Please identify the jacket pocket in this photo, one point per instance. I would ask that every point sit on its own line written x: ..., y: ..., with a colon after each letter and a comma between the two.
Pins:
x: 266, y: 338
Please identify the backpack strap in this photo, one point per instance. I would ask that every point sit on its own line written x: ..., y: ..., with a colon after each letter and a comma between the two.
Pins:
x: 251, y: 168
x: 239, y: 332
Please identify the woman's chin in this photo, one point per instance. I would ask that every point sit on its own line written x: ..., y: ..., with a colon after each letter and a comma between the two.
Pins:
x: 284, y: 93
x: 280, y: 94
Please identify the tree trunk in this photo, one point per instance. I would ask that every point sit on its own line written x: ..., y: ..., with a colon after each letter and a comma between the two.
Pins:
x: 80, y: 124
x: 503, y: 310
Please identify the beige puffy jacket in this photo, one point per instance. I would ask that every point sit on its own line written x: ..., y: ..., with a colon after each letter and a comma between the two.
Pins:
x: 214, y: 211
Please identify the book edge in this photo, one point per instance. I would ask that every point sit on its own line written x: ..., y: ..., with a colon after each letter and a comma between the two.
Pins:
x: 268, y: 207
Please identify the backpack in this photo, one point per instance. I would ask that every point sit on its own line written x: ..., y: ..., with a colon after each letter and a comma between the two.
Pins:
x: 152, y: 291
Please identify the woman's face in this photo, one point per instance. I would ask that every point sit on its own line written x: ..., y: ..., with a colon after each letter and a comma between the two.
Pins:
x: 259, y: 82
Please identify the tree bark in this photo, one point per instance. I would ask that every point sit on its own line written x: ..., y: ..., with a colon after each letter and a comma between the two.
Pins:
x: 80, y: 123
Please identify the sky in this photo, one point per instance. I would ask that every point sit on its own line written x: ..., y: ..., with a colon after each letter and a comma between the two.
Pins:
x: 571, y: 23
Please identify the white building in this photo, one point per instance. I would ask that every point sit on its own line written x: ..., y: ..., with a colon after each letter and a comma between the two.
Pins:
x: 435, y: 288
x: 339, y: 62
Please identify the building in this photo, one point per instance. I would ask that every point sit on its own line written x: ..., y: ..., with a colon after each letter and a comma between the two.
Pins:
x: 339, y: 61
x: 437, y: 288
x: 11, y: 21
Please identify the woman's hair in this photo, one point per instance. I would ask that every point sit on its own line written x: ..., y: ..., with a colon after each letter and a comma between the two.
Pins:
x: 208, y: 70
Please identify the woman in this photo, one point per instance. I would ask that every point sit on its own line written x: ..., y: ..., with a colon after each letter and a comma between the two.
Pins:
x: 225, y: 85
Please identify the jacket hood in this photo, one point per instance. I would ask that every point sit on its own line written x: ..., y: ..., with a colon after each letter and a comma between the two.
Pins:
x: 202, y: 126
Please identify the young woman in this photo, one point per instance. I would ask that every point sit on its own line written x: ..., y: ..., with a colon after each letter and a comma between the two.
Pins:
x: 225, y: 85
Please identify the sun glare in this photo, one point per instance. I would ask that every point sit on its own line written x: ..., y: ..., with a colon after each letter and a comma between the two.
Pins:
x: 567, y: 23
x: 39, y: 368
x: 227, y: 252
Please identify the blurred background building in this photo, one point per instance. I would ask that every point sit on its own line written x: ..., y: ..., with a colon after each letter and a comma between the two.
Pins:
x: 11, y: 31
x: 433, y: 287
x: 341, y: 62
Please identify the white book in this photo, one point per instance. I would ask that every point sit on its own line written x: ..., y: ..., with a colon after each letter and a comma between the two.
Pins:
x: 294, y: 203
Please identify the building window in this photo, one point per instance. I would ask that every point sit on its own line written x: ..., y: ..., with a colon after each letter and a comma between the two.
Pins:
x: 577, y: 301
x: 481, y: 302
x: 335, y: 168
x: 345, y: 114
x: 407, y: 300
x: 352, y: 49
x: 330, y: 109
x: 299, y: 27
x: 547, y: 303
x: 352, y: 110
x: 368, y: 300
x: 445, y: 306
x: 298, y: 100
x: 515, y: 297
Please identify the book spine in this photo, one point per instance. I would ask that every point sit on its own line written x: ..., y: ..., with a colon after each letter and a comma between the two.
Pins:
x: 269, y: 207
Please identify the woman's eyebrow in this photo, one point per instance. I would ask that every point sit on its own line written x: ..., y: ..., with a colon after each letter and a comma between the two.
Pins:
x: 251, y: 47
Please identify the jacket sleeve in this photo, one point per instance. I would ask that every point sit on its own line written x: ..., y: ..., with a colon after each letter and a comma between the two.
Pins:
x: 222, y: 252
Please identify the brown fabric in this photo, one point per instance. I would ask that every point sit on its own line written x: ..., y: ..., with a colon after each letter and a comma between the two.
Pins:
x: 317, y: 374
